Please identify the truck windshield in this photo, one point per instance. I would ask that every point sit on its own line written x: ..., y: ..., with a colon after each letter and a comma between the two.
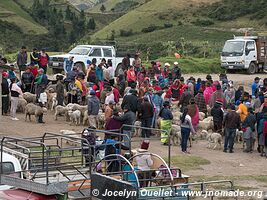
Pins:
x: 80, y: 51
x: 234, y: 48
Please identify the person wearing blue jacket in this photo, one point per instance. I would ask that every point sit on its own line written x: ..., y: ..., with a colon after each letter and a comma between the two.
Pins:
x: 99, y: 72
x: 255, y: 86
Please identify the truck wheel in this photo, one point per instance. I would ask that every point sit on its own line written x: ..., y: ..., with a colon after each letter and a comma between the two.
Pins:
x: 57, y: 71
x: 251, y: 69
x: 119, y: 70
x: 81, y: 66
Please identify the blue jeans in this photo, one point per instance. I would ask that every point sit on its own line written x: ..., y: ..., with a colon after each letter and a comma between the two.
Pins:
x: 229, y: 138
x: 146, y: 123
x: 185, y: 132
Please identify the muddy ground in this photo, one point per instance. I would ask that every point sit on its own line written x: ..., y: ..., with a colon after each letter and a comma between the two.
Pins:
x: 248, y: 171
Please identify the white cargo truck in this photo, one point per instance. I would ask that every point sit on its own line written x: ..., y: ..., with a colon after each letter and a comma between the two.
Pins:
x: 245, y: 53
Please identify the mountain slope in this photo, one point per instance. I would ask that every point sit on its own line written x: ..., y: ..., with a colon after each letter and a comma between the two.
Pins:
x: 150, y: 13
x: 12, y: 12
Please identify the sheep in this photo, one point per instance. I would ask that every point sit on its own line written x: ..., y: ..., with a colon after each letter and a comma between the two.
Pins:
x: 54, y: 103
x: 29, y: 97
x: 85, y: 117
x: 75, y: 116
x: 239, y: 136
x: 203, y: 134
x: 21, y: 105
x: 206, y: 124
x: 176, y: 136
x: 214, y: 138
x: 50, y: 96
x: 201, y: 116
x: 32, y: 109
x: 176, y: 118
x: 100, y: 120
x: 70, y: 141
x: 60, y: 110
x: 208, y: 119
x: 137, y: 131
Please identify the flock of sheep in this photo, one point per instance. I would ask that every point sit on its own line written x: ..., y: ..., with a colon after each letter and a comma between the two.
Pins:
x: 77, y: 114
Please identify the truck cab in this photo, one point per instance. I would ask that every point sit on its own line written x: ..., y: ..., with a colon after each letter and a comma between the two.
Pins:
x: 11, y: 165
x: 84, y: 53
x: 247, y: 53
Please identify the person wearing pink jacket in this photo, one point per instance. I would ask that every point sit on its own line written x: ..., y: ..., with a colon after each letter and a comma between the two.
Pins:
x: 208, y: 93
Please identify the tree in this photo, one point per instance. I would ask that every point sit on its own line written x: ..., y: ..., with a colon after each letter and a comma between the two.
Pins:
x: 68, y: 13
x: 91, y: 24
x: 102, y: 8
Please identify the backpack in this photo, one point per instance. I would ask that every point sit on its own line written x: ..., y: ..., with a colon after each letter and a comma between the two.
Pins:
x: 43, y: 60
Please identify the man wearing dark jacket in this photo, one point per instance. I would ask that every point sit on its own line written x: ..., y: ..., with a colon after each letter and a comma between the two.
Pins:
x: 93, y: 109
x: 217, y: 114
x: 27, y: 80
x: 231, y: 122
x: 146, y: 112
x: 22, y: 59
x: 128, y: 118
x: 5, y: 94
x: 131, y: 100
x: 185, y: 98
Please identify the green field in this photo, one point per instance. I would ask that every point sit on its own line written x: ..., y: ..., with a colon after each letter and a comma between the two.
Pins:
x: 19, y: 17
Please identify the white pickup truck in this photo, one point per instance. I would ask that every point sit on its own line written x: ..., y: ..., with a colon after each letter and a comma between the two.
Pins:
x: 83, y: 53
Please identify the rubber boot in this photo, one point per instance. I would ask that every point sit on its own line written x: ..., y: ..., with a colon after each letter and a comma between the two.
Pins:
x: 40, y: 120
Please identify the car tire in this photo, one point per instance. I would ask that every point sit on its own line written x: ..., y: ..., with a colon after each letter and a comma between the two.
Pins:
x: 119, y: 70
x: 252, y: 68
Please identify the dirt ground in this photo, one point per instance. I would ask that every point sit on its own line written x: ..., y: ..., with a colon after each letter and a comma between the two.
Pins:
x: 248, y: 170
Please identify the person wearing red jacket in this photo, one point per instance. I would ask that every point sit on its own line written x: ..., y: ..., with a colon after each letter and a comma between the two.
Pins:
x: 131, y: 76
x: 116, y: 93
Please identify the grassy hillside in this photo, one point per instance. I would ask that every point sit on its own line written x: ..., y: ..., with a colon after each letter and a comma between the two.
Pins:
x: 153, y: 12
x: 111, y: 4
x: 13, y: 13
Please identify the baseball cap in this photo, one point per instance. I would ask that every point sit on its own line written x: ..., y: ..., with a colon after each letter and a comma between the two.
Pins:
x: 175, y: 63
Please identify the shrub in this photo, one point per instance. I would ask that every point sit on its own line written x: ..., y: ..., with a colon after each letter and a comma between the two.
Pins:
x: 149, y: 29
x: 203, y: 22
x: 125, y: 33
x: 168, y: 25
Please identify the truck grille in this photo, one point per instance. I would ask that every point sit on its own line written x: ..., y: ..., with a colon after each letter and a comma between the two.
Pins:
x: 57, y: 59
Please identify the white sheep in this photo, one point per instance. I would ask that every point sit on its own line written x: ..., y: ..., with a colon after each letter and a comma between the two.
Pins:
x: 85, y: 117
x: 32, y: 109
x: 203, y: 134
x: 75, y: 116
x: 69, y: 133
x: 29, y: 97
x: 214, y: 138
x: 60, y: 110
x: 176, y: 136
x: 100, y: 120
x: 50, y: 97
x: 21, y: 105
x: 201, y: 116
x: 137, y: 130
x: 54, y: 103
x: 176, y: 117
x: 239, y: 136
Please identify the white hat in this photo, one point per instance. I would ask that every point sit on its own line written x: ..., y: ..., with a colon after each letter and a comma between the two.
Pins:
x: 175, y: 63
x: 167, y: 64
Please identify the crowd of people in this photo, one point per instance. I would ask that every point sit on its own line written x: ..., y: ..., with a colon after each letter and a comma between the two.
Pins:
x: 148, y: 94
